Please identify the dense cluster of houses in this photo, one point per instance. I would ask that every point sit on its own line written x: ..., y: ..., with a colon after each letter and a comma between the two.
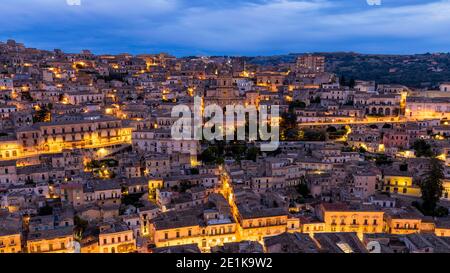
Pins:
x: 88, y: 163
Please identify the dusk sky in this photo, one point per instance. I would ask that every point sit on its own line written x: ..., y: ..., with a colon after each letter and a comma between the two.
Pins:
x: 229, y: 27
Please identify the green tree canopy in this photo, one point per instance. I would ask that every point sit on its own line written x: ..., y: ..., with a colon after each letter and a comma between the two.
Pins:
x: 431, y: 186
x: 422, y: 148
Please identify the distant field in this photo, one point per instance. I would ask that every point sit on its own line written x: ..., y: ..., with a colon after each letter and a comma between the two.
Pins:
x: 422, y: 70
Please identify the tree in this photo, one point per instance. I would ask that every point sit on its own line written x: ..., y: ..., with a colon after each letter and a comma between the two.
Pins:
x: 195, y: 171
x: 310, y: 135
x: 302, y: 188
x: 133, y: 199
x: 441, y: 211
x: 288, y: 126
x: 252, y: 153
x: 213, y: 154
x: 404, y: 167
x: 46, y: 210
x: 237, y: 150
x: 93, y: 164
x: 422, y: 148
x: 80, y: 226
x: 352, y: 83
x: 43, y: 114
x: 331, y: 129
x: 383, y: 160
x: 296, y: 104
x: 184, y: 186
x: 431, y: 186
x: 209, y: 155
x: 342, y: 80
x: 315, y: 100
x: 27, y: 96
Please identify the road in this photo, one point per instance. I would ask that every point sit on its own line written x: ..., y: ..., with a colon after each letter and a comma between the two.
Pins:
x: 378, y: 121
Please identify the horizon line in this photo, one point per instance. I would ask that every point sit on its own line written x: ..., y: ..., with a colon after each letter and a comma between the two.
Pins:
x: 27, y: 45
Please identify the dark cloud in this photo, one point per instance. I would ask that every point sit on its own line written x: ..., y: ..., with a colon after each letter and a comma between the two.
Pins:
x: 249, y: 27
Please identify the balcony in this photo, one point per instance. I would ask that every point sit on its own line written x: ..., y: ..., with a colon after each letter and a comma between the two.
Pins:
x: 406, y: 228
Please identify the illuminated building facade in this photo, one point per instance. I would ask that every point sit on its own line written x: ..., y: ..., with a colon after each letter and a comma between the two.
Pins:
x: 427, y: 108
x: 339, y: 217
x: 255, y: 227
x: 403, y: 221
x: 51, y: 241
x: 54, y: 137
x: 206, y: 227
x: 401, y: 183
x: 116, y: 238
x: 311, y: 64
x: 10, y: 241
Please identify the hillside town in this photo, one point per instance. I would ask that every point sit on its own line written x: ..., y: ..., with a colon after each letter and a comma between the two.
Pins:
x: 88, y: 163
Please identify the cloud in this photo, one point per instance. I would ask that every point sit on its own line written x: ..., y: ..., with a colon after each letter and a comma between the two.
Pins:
x: 229, y: 26
x: 424, y: 23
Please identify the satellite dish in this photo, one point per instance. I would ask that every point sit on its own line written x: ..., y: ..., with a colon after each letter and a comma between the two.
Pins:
x: 374, y: 247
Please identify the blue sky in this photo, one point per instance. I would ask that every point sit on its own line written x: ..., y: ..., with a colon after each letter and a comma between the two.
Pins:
x: 229, y: 27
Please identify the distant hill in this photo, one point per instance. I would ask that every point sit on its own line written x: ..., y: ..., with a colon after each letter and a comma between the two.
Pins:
x: 420, y: 70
